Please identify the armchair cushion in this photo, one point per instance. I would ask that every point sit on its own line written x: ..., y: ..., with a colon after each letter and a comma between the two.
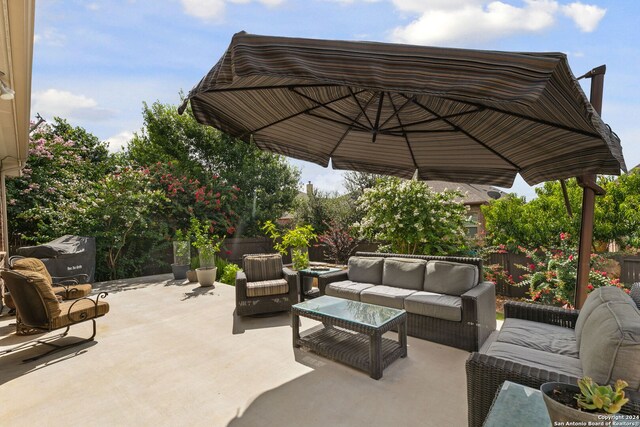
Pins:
x: 262, y: 267
x: 46, y: 291
x: 442, y: 306
x: 403, y: 273
x: 267, y: 287
x: 635, y: 293
x: 610, y: 345
x: 539, y: 336
x: 595, y: 299
x: 74, y: 311
x: 366, y: 270
x: 536, y: 358
x: 347, y: 289
x: 32, y: 264
x: 451, y: 278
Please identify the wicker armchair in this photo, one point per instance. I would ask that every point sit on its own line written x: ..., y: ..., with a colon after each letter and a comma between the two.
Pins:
x: 265, y: 285
x: 39, y: 308
x: 485, y: 373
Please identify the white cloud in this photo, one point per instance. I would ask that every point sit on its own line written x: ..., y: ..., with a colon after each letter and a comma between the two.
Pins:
x: 54, y: 102
x: 469, y: 21
x: 50, y: 37
x: 586, y: 16
x: 119, y: 142
x: 213, y: 10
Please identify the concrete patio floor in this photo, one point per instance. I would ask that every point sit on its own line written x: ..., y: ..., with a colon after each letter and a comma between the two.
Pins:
x: 171, y: 353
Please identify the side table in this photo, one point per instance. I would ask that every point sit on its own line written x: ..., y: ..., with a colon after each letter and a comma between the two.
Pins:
x: 312, y: 272
x: 518, y: 405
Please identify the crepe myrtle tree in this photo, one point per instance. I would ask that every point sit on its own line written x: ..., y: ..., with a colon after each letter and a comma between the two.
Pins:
x: 412, y: 219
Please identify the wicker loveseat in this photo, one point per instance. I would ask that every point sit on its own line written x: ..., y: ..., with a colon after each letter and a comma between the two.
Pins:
x: 445, y: 299
x: 539, y: 344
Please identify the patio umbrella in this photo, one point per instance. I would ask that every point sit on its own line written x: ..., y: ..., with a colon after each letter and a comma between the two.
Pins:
x: 450, y: 114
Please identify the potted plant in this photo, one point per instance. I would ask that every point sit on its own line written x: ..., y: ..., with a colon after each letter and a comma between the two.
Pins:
x: 208, y: 246
x: 297, y: 240
x: 587, y: 402
x: 191, y: 274
x: 181, y: 255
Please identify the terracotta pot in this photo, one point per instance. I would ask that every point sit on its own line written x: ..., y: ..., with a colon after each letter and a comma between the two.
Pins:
x: 192, y: 276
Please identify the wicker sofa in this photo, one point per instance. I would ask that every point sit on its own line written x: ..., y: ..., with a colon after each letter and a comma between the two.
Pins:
x: 445, y: 299
x: 539, y: 344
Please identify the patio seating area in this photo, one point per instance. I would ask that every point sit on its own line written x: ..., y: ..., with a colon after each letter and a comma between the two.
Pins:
x: 170, y: 353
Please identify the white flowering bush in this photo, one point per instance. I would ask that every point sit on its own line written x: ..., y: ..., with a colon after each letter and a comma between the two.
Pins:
x: 412, y: 219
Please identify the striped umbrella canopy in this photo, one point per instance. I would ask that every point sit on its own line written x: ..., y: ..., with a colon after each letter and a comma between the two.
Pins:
x: 451, y: 114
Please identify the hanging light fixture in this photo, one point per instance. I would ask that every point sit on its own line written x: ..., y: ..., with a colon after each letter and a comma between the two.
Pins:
x: 6, y: 92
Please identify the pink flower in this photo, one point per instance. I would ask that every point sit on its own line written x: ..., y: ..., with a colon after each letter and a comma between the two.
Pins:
x: 570, y: 257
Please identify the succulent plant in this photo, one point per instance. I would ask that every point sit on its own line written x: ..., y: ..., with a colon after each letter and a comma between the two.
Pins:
x: 601, y: 398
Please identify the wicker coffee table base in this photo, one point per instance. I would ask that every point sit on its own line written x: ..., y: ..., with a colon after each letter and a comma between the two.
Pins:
x: 351, y: 343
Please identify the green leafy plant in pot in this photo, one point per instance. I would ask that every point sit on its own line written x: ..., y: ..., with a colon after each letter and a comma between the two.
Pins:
x: 297, y: 240
x: 586, y: 401
x: 208, y: 246
x: 181, y: 255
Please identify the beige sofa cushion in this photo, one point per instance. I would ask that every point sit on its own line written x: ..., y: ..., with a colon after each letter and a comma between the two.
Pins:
x: 346, y: 289
x: 387, y: 296
x: 596, y: 298
x: 404, y: 273
x: 366, y: 269
x: 451, y: 278
x: 441, y: 306
x: 610, y: 344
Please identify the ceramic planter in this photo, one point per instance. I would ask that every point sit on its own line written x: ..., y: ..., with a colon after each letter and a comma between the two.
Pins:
x: 206, y: 276
x: 560, y: 414
x: 192, y: 276
x: 179, y: 271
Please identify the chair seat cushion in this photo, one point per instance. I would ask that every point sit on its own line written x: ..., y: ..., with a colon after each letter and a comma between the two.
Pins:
x: 267, y: 287
x: 385, y: 295
x: 347, y: 289
x: 430, y: 304
x: 536, y: 358
x: 80, y: 310
x: 72, y: 291
x: 539, y: 336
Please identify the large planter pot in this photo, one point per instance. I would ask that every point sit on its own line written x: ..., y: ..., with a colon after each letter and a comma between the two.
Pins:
x: 560, y: 413
x: 206, y: 276
x: 179, y: 271
x: 192, y: 276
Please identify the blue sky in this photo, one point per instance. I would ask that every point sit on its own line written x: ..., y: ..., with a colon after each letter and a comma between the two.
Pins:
x: 96, y: 62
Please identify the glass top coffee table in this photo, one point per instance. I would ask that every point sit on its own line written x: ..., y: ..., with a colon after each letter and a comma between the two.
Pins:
x: 352, y: 332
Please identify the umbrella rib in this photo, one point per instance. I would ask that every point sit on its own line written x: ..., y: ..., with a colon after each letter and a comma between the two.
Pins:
x: 375, y: 127
x: 404, y: 134
x: 362, y: 109
x: 325, y: 106
x: 525, y: 117
x: 396, y: 111
x: 338, y: 122
x: 453, y: 125
x: 296, y: 114
x: 346, y: 132
x: 421, y: 122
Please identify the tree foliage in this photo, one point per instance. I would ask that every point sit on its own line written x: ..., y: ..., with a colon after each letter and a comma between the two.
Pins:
x: 267, y: 184
x: 411, y: 218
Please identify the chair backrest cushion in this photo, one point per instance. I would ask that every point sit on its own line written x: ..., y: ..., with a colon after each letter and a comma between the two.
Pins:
x: 596, y: 298
x: 635, y: 293
x: 610, y: 345
x: 451, y: 278
x: 32, y: 264
x: 365, y: 270
x: 403, y: 273
x: 33, y: 296
x: 261, y: 267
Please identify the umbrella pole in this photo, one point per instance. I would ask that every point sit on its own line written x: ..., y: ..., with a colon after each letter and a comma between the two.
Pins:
x: 589, y: 191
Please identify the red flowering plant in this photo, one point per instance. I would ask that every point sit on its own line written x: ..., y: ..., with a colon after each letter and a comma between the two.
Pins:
x: 552, y: 274
x: 212, y: 199
x: 338, y: 242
